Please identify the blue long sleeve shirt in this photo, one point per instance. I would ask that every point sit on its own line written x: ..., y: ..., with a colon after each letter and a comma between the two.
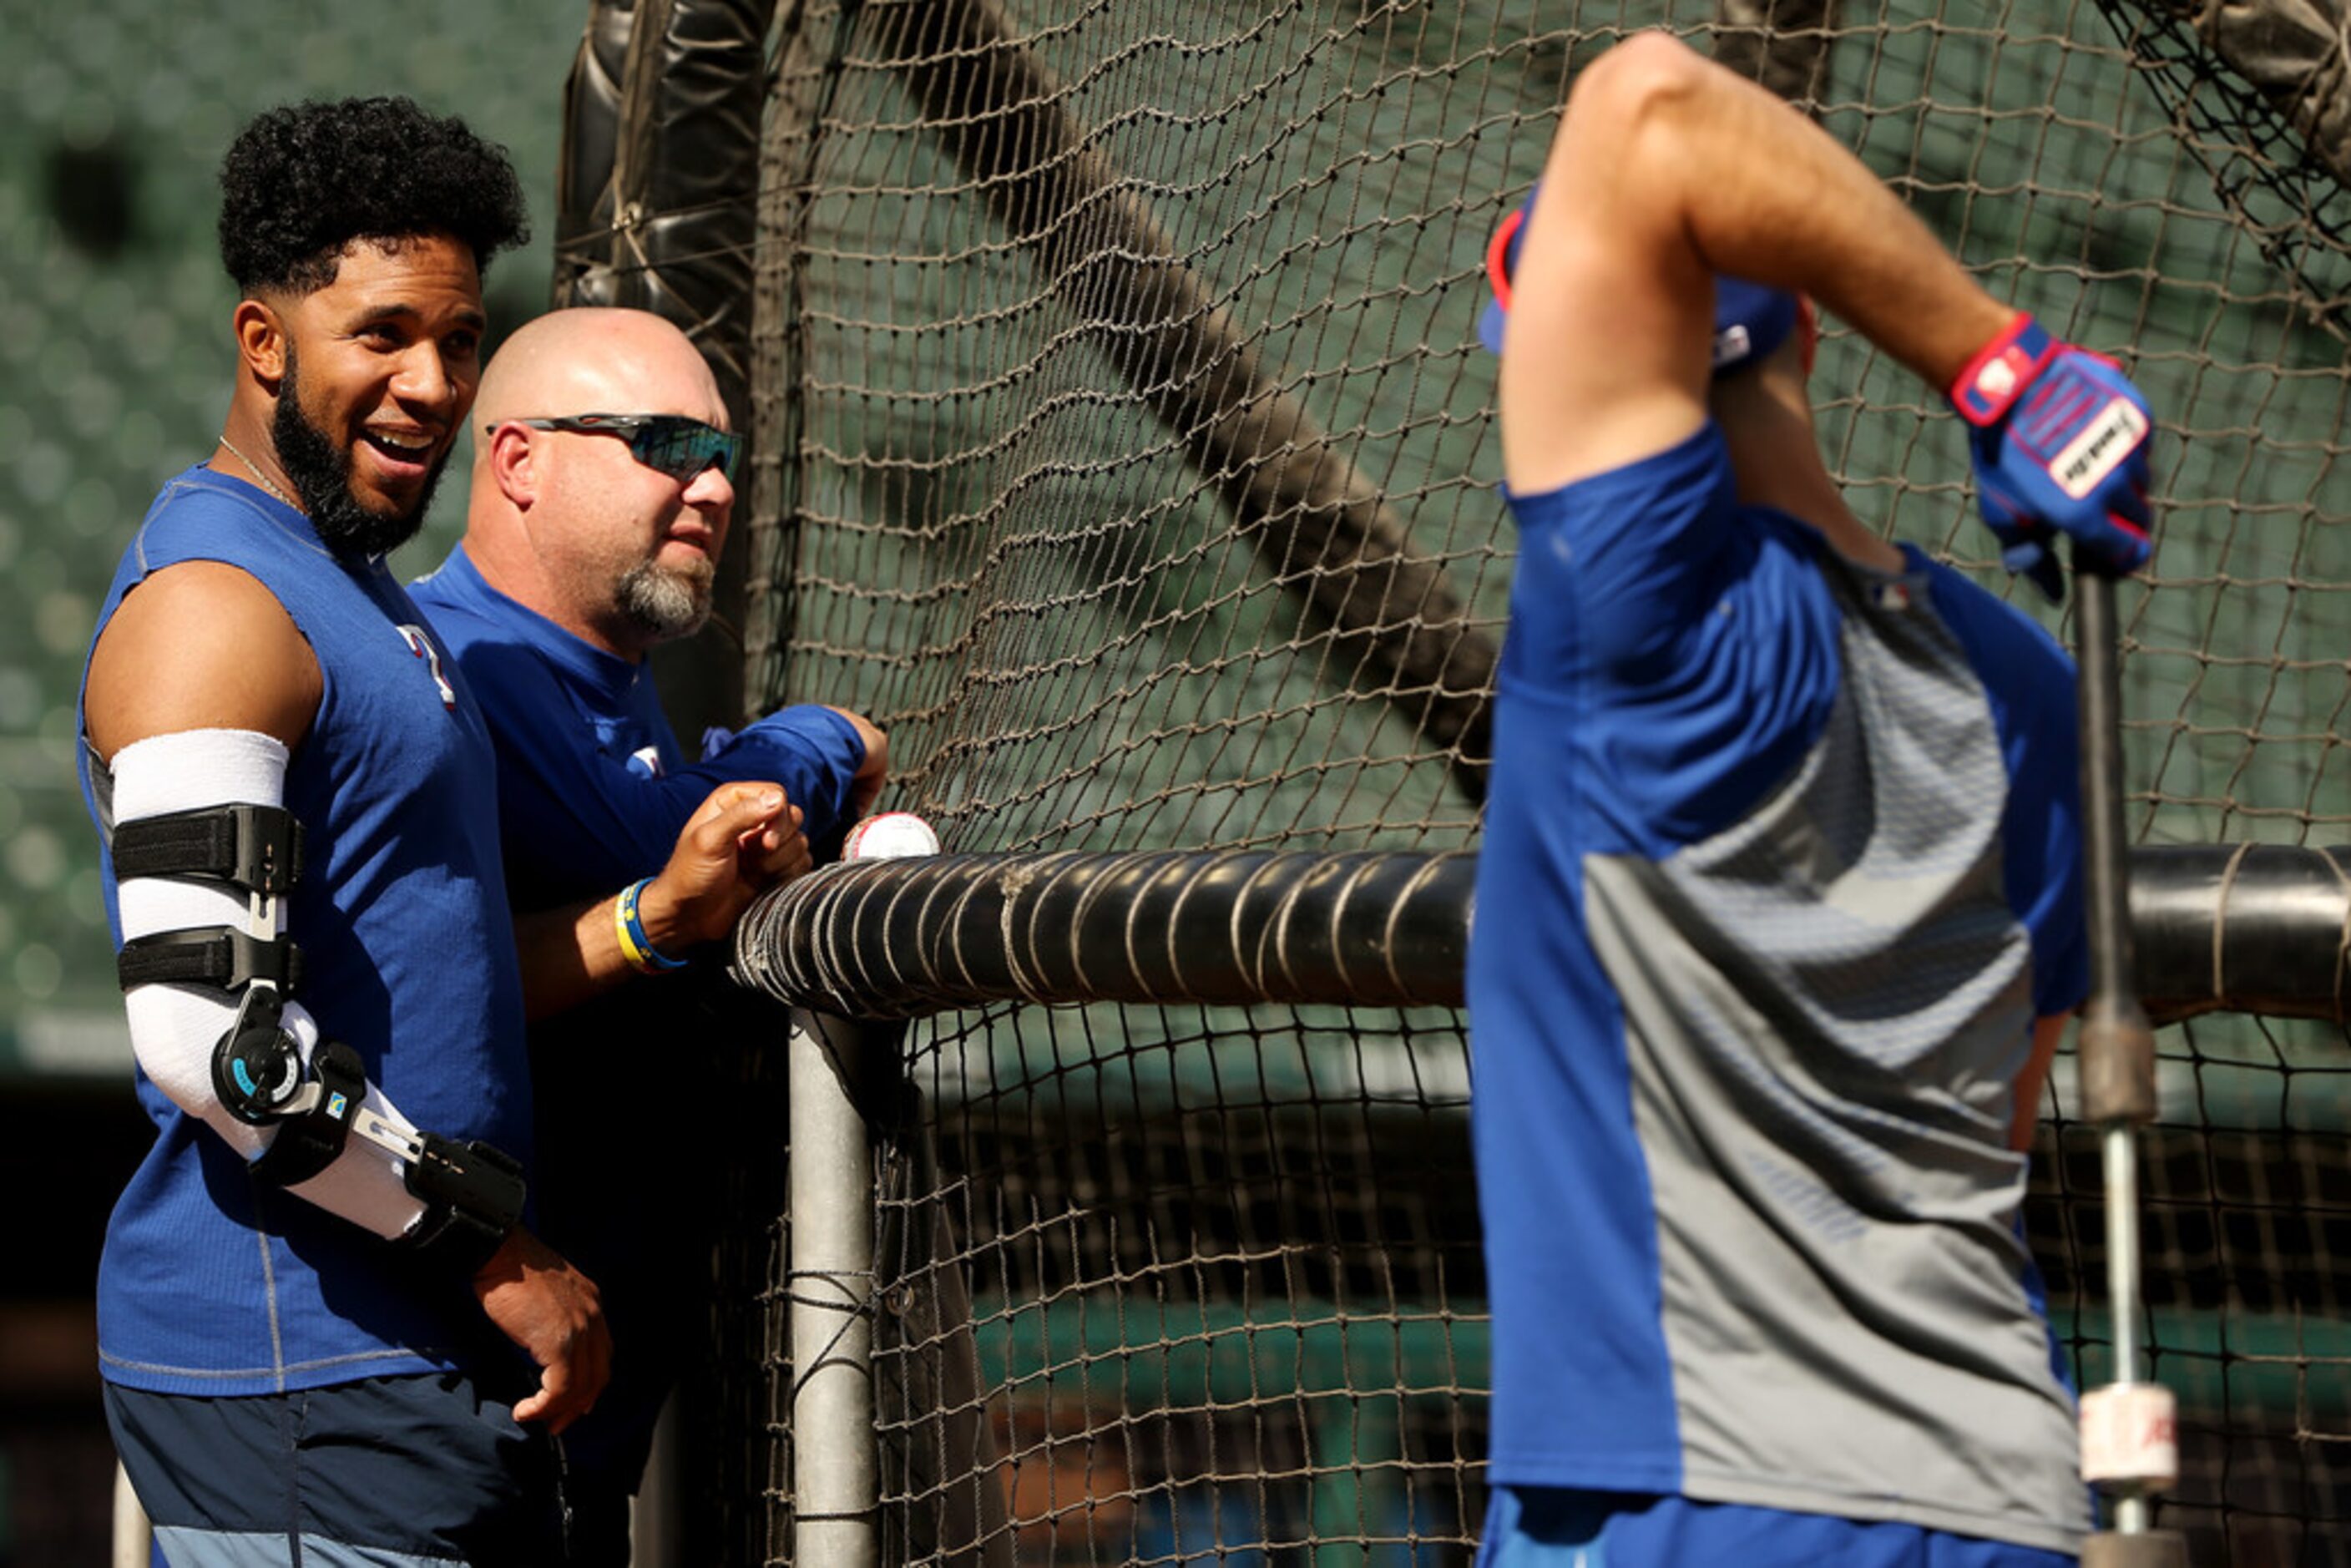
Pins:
x: 592, y: 790
x: 593, y: 787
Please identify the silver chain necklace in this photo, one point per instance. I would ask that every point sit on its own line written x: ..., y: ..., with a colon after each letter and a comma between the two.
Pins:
x: 254, y: 469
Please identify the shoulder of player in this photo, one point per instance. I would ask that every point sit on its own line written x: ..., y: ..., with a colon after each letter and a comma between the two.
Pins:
x: 200, y: 645
x: 507, y: 651
x: 494, y: 641
x: 458, y: 615
x: 459, y: 630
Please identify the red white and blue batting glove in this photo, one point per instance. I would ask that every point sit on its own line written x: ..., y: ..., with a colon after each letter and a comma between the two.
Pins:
x: 2059, y: 438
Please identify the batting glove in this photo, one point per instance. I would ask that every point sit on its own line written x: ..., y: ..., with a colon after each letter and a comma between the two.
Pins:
x: 2059, y: 440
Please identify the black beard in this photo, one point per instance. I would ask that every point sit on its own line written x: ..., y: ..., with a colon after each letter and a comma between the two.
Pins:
x: 321, y: 474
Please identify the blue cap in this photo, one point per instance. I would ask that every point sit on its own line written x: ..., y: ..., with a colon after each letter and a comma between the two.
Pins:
x: 1750, y: 319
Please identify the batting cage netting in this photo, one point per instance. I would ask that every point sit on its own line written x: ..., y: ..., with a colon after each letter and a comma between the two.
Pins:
x: 1124, y: 446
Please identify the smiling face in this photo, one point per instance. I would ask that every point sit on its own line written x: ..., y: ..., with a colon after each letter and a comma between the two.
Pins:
x: 380, y: 367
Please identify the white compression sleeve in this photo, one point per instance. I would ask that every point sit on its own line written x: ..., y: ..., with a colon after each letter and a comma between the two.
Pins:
x: 175, y: 1029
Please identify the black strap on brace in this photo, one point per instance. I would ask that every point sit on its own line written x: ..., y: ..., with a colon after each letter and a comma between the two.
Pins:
x: 309, y: 1141
x: 474, y: 1192
x: 219, y: 956
x: 473, y: 1195
x: 257, y: 847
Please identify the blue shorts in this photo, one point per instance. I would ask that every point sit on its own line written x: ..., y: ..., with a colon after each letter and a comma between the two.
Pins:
x: 1554, y: 1527
x: 400, y: 1472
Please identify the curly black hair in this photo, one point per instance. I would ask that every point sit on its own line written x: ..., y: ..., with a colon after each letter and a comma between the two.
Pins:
x: 303, y: 181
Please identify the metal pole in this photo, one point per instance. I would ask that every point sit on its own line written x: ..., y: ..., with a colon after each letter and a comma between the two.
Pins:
x: 836, y: 1475
x: 2119, y: 1152
x: 2129, y: 1428
x: 656, y: 1514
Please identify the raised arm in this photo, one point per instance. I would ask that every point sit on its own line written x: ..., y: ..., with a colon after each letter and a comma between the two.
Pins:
x: 1669, y: 172
x: 1666, y: 170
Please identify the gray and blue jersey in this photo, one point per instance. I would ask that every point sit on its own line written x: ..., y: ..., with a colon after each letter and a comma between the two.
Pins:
x: 1779, y: 866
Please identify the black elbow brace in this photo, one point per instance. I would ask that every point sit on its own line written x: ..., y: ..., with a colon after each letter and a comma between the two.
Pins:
x: 473, y: 1197
x: 256, y: 848
x: 257, y: 1072
x: 313, y: 1113
x: 473, y: 1193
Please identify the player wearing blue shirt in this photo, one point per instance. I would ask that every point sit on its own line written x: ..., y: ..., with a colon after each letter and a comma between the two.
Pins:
x: 326, y: 1333
x: 1778, y: 903
x: 603, y: 487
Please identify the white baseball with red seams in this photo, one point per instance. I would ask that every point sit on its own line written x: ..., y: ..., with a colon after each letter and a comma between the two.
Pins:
x: 892, y: 835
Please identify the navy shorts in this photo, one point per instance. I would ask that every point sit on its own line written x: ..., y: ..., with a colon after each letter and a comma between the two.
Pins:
x: 1552, y: 1527
x: 396, y: 1472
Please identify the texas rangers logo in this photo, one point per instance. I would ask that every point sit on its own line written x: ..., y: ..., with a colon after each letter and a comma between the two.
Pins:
x: 422, y: 647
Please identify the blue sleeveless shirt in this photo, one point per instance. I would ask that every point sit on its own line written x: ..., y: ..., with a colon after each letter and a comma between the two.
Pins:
x: 212, y: 1282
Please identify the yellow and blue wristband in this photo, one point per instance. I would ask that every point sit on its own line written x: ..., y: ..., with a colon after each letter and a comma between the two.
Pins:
x: 635, y: 945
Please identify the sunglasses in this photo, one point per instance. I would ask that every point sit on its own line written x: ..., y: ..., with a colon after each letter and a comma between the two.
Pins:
x: 671, y: 443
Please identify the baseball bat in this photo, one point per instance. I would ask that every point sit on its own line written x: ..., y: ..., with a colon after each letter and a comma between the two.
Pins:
x: 2129, y: 1428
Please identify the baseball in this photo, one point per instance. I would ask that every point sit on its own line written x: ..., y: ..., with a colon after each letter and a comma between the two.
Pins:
x: 892, y: 835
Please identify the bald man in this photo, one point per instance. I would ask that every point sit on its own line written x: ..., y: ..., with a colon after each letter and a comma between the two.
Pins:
x: 604, y: 481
